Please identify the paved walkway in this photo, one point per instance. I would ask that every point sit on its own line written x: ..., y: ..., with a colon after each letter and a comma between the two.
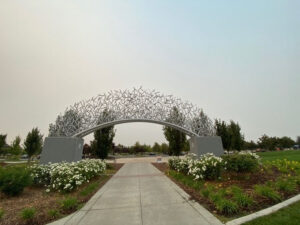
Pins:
x: 139, y: 194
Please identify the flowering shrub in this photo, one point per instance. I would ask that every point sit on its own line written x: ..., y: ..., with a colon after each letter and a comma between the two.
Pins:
x: 207, y: 166
x: 242, y: 162
x: 67, y: 176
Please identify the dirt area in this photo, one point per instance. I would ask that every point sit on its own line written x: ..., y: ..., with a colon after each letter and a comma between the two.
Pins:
x: 244, y: 180
x: 37, y: 198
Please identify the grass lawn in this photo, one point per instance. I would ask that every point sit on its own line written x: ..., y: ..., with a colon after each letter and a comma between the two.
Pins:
x: 289, y: 155
x: 286, y: 216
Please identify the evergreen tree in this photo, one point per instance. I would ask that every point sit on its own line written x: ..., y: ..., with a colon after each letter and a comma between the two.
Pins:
x: 222, y: 131
x: 2, y: 142
x: 16, y: 148
x: 103, y: 142
x: 236, y: 138
x: 176, y: 139
x: 33, y: 143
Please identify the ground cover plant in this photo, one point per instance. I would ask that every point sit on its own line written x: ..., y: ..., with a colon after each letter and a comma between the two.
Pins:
x: 244, y: 182
x: 40, y: 204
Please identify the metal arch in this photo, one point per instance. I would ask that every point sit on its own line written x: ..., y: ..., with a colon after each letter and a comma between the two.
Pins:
x: 108, y: 124
x: 136, y: 105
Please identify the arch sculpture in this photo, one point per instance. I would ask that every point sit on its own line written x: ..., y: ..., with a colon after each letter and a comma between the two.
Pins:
x: 124, y: 106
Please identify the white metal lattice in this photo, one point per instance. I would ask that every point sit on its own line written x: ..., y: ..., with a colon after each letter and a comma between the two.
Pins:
x: 133, y: 105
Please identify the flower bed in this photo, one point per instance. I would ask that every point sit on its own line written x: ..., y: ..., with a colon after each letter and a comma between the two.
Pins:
x: 235, y: 184
x: 34, y: 206
x: 67, y: 176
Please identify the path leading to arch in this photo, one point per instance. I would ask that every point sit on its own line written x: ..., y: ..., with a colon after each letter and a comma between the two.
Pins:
x: 139, y: 194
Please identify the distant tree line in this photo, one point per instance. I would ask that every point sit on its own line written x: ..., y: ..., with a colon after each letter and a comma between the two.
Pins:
x: 137, y: 148
x: 271, y: 143
x: 32, y: 145
x: 233, y: 139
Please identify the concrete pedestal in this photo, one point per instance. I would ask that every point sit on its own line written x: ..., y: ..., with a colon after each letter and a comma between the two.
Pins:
x: 58, y: 149
x: 208, y: 144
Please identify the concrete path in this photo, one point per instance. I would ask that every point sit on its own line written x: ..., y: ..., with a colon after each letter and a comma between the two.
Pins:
x: 139, y: 194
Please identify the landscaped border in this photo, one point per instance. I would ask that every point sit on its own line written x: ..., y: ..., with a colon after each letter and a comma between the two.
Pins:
x: 264, y: 212
x: 243, y: 219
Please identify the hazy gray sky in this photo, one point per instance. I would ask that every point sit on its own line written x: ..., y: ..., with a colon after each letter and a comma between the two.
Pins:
x: 237, y: 60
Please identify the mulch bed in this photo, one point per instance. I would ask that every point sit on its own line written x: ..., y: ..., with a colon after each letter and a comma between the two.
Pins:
x: 244, y: 180
x: 37, y: 198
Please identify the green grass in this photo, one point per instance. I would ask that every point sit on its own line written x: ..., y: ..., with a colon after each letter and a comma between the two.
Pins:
x: 286, y: 216
x: 289, y: 155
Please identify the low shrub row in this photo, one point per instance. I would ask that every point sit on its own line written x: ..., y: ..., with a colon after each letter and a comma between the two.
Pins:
x: 67, y: 176
x: 209, y: 166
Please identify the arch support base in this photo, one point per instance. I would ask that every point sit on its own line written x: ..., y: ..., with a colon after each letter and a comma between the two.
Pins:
x: 58, y: 149
x: 207, y: 144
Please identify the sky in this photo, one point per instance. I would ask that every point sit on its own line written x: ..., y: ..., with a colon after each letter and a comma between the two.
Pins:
x: 238, y: 60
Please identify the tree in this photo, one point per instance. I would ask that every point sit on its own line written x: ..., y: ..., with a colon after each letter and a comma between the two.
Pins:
x: 33, y: 143
x: 2, y: 142
x: 249, y: 145
x: 176, y: 139
x: 156, y: 147
x: 222, y: 131
x: 230, y: 134
x: 164, y: 148
x: 266, y: 142
x: 103, y: 142
x: 16, y: 148
x: 285, y: 142
x: 236, y: 138
x: 71, y: 120
x: 298, y: 140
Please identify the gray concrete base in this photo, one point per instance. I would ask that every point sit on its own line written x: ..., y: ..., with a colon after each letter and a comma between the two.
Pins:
x: 58, y: 149
x: 208, y: 144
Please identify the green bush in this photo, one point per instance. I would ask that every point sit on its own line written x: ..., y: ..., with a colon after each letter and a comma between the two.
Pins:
x: 69, y: 203
x: 267, y: 192
x: 13, y: 180
x: 1, y: 213
x: 53, y: 213
x: 28, y: 213
x: 241, y: 162
x: 226, y: 206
